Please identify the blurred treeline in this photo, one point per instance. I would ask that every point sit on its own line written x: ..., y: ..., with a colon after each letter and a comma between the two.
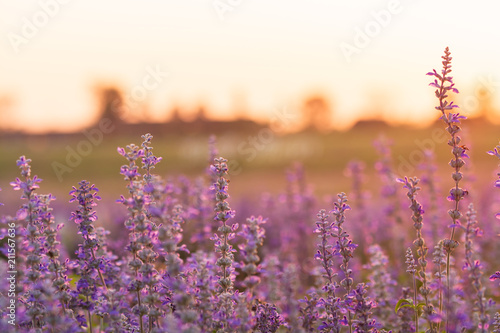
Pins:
x: 259, y: 152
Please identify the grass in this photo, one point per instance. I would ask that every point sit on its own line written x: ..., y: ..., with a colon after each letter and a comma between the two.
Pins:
x: 324, y: 157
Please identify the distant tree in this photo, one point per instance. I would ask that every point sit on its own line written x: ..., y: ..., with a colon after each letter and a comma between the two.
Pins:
x: 176, y: 116
x: 316, y: 113
x: 111, y: 104
x: 201, y: 114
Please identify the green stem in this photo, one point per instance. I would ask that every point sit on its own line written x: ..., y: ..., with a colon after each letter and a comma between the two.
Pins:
x: 415, y: 301
x: 140, y: 316
x: 99, y: 271
x: 90, y: 318
x: 440, y: 298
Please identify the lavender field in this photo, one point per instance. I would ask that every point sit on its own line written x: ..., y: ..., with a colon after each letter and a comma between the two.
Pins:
x: 410, y: 244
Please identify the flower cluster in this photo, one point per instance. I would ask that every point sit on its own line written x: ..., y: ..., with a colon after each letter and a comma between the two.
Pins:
x: 474, y: 268
x: 444, y: 84
x: 325, y: 254
x: 417, y: 217
x: 222, y: 215
x: 90, y: 266
x: 253, y: 234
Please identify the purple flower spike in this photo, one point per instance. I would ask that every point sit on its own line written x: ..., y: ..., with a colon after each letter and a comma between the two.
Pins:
x: 444, y: 83
x: 495, y: 276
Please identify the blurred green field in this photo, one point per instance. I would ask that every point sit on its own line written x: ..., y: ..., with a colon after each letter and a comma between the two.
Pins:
x: 256, y: 165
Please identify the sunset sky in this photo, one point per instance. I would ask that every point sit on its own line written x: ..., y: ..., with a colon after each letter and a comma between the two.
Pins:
x: 368, y: 57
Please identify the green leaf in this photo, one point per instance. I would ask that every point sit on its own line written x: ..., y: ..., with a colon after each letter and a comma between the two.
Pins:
x: 402, y: 303
x: 419, y: 307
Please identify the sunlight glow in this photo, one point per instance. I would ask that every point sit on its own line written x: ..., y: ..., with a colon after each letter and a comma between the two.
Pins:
x: 259, y: 55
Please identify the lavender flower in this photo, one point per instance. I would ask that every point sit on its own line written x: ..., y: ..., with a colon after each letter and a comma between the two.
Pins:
x: 410, y: 262
x: 289, y: 305
x: 452, y: 120
x: 496, y: 152
x: 495, y: 276
x: 325, y: 253
x: 30, y: 213
x: 496, y: 323
x: 148, y: 160
x: 361, y: 307
x: 308, y: 313
x: 244, y: 319
x: 439, y: 260
x: 143, y: 234
x: 417, y: 217
x: 444, y: 84
x: 268, y: 318
x: 254, y: 235
x: 51, y: 246
x: 222, y: 246
x: 90, y: 266
x: 344, y: 248
x: 272, y: 273
x: 203, y: 285
x: 381, y: 284
x: 223, y: 214
x: 473, y: 267
x: 132, y: 153
x: 325, y: 250
x: 405, y: 313
x: 175, y: 279
x: 412, y: 269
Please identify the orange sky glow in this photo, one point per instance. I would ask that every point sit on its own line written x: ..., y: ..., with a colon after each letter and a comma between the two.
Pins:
x: 369, y: 58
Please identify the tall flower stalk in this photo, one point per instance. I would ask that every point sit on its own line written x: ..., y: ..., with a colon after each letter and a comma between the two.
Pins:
x: 496, y: 323
x: 439, y: 260
x: 344, y: 248
x: 30, y: 213
x: 90, y: 265
x: 253, y: 234
x: 419, y: 243
x: 381, y: 283
x: 473, y: 267
x: 143, y: 232
x: 149, y: 160
x: 443, y: 83
x: 411, y: 268
x: 223, y: 213
x: 325, y: 254
x: 60, y: 280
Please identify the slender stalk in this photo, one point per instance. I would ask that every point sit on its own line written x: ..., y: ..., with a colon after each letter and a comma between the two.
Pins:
x: 222, y: 246
x: 419, y: 243
x: 140, y: 315
x: 415, y: 300
x: 443, y: 84
x: 99, y: 271
x: 412, y: 268
x: 439, y: 255
x: 90, y: 318
x: 344, y: 247
x: 473, y: 267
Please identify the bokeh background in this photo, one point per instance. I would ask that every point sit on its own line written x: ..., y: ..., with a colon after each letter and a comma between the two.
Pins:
x: 278, y: 82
